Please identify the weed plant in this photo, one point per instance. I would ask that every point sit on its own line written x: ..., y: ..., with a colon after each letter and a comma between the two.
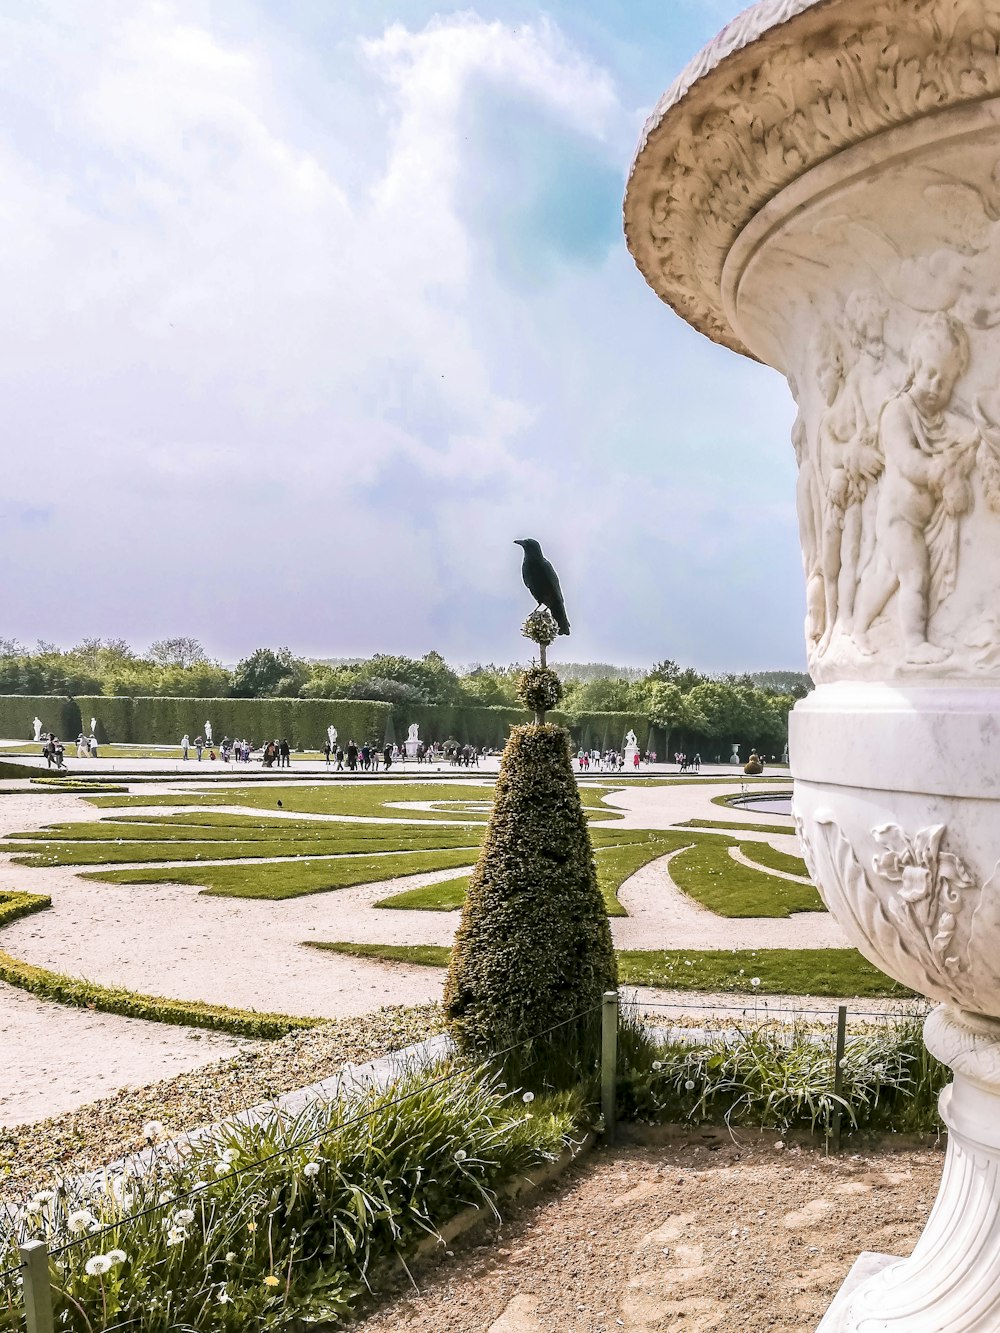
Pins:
x: 783, y: 1078
x: 289, y: 1223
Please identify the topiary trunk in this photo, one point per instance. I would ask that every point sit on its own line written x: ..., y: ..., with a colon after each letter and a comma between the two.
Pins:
x: 534, y: 947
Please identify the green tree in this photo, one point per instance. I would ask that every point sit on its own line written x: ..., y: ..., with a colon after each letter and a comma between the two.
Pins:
x: 266, y: 672
x: 181, y: 652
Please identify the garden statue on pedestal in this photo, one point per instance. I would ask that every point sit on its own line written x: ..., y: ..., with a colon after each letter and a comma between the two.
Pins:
x: 734, y: 758
x: 331, y: 732
x: 533, y: 953
x: 412, y: 743
x: 631, y: 749
x: 37, y: 724
x: 208, y: 733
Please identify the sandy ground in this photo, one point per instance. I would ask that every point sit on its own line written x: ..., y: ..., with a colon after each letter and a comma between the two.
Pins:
x: 172, y: 940
x: 689, y: 1236
x: 56, y: 1057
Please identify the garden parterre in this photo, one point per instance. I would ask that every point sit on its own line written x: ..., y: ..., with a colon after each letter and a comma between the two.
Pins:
x: 336, y: 861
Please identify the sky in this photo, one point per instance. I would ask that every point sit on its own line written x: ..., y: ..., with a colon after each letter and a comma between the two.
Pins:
x: 311, y: 309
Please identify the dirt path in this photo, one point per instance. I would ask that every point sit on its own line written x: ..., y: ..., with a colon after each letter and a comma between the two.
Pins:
x: 690, y: 1236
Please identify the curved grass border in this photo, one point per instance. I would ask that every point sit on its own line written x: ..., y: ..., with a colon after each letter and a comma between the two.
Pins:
x: 130, y: 1004
x: 817, y: 973
x: 737, y: 800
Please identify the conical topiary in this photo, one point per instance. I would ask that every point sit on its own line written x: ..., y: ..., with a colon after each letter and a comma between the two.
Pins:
x: 534, y: 947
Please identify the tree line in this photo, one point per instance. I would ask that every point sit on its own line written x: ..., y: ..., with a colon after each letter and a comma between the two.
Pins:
x: 690, y: 706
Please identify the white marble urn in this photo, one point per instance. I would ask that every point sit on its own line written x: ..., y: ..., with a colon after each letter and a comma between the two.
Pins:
x: 820, y: 190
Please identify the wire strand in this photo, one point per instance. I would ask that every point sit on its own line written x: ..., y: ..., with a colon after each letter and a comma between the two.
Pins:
x: 201, y: 1188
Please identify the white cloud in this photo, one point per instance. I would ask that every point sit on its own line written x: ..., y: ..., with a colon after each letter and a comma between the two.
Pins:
x: 279, y: 403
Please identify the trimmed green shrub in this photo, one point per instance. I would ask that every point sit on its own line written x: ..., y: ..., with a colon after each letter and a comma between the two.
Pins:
x: 18, y: 711
x: 113, y: 714
x: 534, y: 946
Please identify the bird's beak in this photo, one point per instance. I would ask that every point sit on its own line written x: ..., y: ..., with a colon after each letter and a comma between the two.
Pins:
x: 518, y: 541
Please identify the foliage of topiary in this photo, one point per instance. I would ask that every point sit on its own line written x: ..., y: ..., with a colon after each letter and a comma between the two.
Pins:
x: 534, y: 946
x: 539, y: 689
x: 540, y: 627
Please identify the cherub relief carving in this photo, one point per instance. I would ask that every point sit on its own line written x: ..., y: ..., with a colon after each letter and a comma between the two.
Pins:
x: 929, y: 453
x: 808, y: 504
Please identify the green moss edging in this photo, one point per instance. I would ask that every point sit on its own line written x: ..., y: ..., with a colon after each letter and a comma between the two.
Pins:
x: 114, y: 1000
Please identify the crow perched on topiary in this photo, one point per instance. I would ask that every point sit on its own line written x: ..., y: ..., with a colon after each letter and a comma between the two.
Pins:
x: 542, y: 581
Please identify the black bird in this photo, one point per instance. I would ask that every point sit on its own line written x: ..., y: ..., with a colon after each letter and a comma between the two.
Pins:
x: 542, y: 581
x: 280, y: 805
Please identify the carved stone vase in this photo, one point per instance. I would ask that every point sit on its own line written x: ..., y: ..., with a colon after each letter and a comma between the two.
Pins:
x: 820, y: 190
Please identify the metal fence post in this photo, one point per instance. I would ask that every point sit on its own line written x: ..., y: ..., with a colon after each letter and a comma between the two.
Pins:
x: 37, y: 1289
x: 609, y: 1063
x: 838, y: 1075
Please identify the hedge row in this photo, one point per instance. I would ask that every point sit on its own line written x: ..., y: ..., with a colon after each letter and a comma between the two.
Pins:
x: 303, y: 722
x: 161, y: 720
x: 18, y: 711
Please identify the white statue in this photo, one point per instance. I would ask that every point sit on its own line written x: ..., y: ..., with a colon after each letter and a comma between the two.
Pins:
x: 37, y: 724
x: 630, y: 741
x: 414, y: 732
x: 208, y: 732
x: 93, y: 726
x: 734, y: 758
x: 331, y: 732
x: 412, y: 741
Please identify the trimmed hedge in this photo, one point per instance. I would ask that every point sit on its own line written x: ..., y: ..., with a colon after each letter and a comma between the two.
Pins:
x: 113, y: 714
x: 18, y: 711
x: 163, y: 720
x: 534, y: 946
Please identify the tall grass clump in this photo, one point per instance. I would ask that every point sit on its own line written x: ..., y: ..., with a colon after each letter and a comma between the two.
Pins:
x: 287, y: 1223
x: 783, y: 1079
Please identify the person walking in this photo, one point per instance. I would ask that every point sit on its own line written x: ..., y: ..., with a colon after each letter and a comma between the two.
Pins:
x: 199, y: 745
x: 352, y: 757
x: 387, y: 754
x: 327, y: 747
x: 340, y: 759
x: 284, y: 753
x: 185, y: 745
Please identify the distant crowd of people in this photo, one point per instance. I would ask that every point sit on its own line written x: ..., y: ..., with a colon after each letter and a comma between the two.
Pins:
x: 611, y: 761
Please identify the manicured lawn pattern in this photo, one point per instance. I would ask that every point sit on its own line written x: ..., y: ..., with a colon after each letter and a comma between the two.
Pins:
x: 762, y: 854
x: 709, y: 874
x: 293, y: 877
x: 355, y: 799
x: 819, y: 972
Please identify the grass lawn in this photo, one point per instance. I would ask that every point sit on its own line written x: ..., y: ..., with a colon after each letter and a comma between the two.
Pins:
x: 449, y: 802
x: 294, y: 876
x: 618, y: 855
x: 764, y: 855
x: 233, y: 838
x: 819, y: 972
x: 724, y: 825
x: 709, y: 874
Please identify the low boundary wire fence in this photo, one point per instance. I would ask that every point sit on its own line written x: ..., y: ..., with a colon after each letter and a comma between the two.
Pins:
x: 34, y: 1271
x: 40, y: 1260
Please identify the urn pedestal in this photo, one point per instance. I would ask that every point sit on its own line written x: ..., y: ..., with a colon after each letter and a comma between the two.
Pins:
x: 820, y: 190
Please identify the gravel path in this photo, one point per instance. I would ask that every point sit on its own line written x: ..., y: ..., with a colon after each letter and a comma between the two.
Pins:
x: 102, y: 1131
x: 55, y: 1056
x: 695, y: 1236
